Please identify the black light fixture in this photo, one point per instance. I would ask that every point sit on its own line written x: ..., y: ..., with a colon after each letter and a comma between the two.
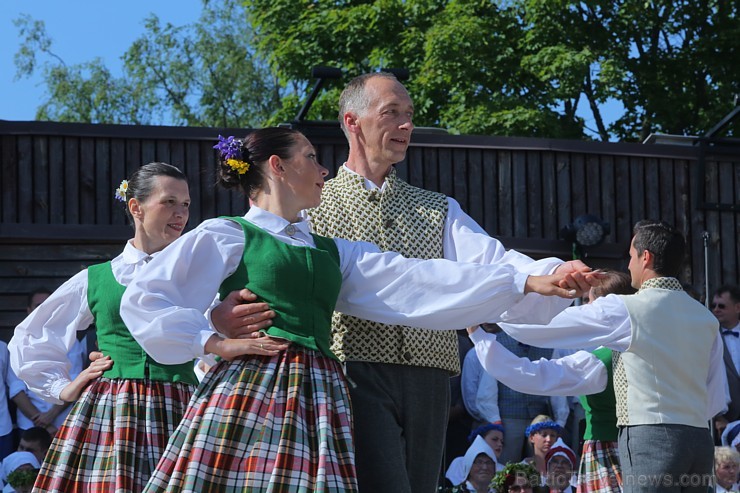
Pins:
x: 586, y: 231
x: 320, y: 74
x: 401, y: 74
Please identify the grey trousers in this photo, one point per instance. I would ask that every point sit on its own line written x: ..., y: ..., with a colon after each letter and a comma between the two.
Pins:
x: 400, y: 418
x: 666, y: 458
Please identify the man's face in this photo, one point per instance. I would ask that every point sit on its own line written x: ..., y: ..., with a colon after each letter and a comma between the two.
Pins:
x: 386, y: 125
x: 726, y: 310
x: 559, y: 471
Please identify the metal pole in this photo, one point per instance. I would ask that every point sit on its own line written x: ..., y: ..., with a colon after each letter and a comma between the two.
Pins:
x: 705, y: 238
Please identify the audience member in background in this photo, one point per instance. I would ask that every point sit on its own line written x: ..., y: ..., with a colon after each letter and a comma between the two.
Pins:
x: 726, y: 307
x: 542, y: 434
x: 35, y: 440
x: 518, y: 409
x: 459, y: 421
x: 474, y: 471
x: 493, y: 434
x: 32, y: 409
x: 726, y: 468
x: 561, y: 462
x: 7, y: 441
x: 19, y: 471
x: 731, y: 436
x: 479, y: 389
x: 517, y: 477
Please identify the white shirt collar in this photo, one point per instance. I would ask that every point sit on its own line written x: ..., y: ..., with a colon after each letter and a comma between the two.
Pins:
x: 273, y: 223
x: 369, y: 185
x: 132, y: 255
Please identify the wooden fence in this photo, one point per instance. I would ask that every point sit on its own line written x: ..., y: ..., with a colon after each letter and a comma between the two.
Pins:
x: 57, y: 213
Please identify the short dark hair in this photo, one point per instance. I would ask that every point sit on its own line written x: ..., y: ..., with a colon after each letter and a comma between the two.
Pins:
x: 732, y: 290
x: 142, y: 181
x: 38, y: 290
x: 666, y: 244
x: 613, y: 282
x: 38, y: 435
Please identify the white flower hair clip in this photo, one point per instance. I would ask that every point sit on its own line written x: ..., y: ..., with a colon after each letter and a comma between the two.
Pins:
x: 121, y: 191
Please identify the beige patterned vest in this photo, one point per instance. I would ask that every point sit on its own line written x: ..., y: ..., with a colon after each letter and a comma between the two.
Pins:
x: 656, y: 380
x: 402, y: 219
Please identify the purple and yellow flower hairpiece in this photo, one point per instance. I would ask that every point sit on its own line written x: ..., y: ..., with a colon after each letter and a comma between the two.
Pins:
x: 231, y: 152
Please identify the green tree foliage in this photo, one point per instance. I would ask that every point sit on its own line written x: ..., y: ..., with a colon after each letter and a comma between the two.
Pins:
x: 670, y: 63
x: 523, y: 67
x: 205, y: 74
x: 501, y: 67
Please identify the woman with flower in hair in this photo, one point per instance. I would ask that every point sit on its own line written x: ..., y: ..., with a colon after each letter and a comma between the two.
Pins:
x: 116, y: 432
x: 542, y: 433
x: 282, y: 422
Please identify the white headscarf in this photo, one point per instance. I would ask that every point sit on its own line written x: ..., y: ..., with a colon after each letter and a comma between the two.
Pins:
x: 16, y: 460
x: 460, y: 467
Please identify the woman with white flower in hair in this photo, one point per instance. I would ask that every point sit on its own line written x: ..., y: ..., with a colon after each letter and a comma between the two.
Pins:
x: 283, y: 422
x: 116, y: 432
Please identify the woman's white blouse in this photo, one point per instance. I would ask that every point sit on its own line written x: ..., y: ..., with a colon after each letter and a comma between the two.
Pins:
x: 580, y: 373
x: 164, y: 306
x: 40, y: 344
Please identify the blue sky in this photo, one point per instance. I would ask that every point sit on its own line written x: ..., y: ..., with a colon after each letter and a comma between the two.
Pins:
x: 82, y: 30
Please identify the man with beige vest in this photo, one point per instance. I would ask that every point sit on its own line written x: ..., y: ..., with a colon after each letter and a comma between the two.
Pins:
x: 399, y: 376
x: 669, y: 377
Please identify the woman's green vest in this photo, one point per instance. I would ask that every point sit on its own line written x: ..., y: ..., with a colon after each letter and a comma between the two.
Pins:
x: 130, y: 361
x: 301, y: 284
x: 601, y: 408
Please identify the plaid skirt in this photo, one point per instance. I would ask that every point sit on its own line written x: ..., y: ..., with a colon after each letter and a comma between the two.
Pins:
x: 259, y: 423
x: 599, y: 471
x: 114, y: 436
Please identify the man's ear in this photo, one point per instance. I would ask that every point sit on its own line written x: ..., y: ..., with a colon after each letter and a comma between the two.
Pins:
x: 648, y: 259
x: 351, y: 122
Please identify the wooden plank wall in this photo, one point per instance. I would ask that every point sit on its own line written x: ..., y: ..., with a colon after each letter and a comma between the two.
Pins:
x: 57, y: 212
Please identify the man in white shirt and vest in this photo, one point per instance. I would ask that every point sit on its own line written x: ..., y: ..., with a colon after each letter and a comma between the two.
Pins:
x: 669, y: 376
x: 400, y: 375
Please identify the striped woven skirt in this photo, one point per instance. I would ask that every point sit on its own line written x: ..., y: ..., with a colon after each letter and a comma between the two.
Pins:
x: 599, y: 471
x: 114, y: 436
x: 259, y: 423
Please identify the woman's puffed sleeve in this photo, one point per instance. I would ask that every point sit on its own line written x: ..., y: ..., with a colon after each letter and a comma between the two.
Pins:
x: 39, y: 347
x: 164, y: 305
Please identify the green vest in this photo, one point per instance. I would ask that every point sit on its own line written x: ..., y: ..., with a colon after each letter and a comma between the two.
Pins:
x: 301, y: 284
x: 130, y: 361
x: 601, y: 408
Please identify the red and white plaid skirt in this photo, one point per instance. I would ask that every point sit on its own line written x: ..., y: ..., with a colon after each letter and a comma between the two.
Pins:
x: 599, y: 471
x: 262, y: 423
x: 114, y: 436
